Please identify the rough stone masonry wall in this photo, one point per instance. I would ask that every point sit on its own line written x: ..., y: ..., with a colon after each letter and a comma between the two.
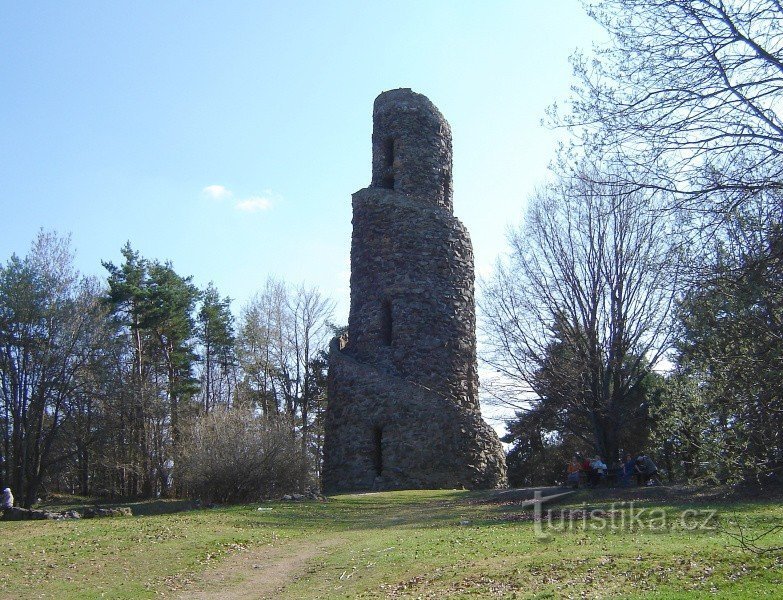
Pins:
x: 411, y: 147
x: 403, y: 392
x: 414, y: 261
x: 428, y: 440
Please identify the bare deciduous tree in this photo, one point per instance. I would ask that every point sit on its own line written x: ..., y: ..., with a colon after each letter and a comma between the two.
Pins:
x: 687, y: 95
x: 259, y: 343
x: 281, y: 333
x: 581, y: 309
x: 53, y: 329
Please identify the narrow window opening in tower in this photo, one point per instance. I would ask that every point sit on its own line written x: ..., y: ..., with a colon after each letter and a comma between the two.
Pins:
x: 388, y: 164
x: 388, y: 152
x: 386, y: 323
x: 445, y: 187
x: 377, y: 451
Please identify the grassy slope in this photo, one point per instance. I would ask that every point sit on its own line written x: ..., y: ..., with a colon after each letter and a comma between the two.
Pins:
x: 428, y: 544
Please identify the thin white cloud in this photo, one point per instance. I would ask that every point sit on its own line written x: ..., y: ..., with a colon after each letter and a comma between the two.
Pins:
x: 217, y: 192
x: 254, y: 204
x: 257, y: 203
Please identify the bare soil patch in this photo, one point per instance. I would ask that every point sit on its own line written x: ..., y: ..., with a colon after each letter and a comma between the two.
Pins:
x: 260, y: 573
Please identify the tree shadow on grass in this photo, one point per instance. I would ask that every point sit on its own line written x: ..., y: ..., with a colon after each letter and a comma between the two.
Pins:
x: 139, y: 508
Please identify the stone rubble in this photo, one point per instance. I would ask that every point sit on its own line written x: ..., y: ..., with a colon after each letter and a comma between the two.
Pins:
x: 16, y: 513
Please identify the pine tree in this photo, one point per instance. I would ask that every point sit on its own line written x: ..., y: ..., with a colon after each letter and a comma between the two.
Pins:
x: 215, y: 333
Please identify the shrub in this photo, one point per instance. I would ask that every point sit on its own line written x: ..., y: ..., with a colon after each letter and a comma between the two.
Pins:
x: 234, y: 455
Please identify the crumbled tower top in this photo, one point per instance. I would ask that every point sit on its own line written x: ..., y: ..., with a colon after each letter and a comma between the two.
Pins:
x: 411, y: 147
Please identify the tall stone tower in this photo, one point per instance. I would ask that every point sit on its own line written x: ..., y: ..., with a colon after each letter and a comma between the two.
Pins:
x: 403, y: 406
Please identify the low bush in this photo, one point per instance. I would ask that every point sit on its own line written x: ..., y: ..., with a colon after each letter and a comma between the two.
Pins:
x: 232, y: 456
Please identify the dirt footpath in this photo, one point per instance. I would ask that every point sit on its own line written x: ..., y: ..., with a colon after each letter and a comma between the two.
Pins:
x: 256, y: 574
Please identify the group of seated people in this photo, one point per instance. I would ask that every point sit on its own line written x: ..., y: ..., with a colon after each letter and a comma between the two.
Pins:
x: 594, y: 471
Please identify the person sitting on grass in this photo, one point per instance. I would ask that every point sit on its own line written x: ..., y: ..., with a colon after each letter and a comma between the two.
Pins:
x: 646, y: 471
x: 574, y: 472
x: 7, y: 499
x: 597, y: 470
x: 586, y: 469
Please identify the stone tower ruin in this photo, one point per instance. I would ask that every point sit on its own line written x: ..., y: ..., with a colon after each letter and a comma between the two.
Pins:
x: 403, y: 406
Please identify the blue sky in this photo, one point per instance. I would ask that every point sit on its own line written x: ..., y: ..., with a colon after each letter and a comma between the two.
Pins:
x: 117, y: 116
x: 228, y: 136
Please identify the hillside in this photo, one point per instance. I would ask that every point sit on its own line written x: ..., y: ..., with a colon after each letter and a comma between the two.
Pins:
x: 415, y: 544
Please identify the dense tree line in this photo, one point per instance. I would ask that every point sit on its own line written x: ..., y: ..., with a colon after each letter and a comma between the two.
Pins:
x: 107, y: 386
x: 679, y: 116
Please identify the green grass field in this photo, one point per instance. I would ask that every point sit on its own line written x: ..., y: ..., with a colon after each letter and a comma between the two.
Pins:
x: 415, y: 544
